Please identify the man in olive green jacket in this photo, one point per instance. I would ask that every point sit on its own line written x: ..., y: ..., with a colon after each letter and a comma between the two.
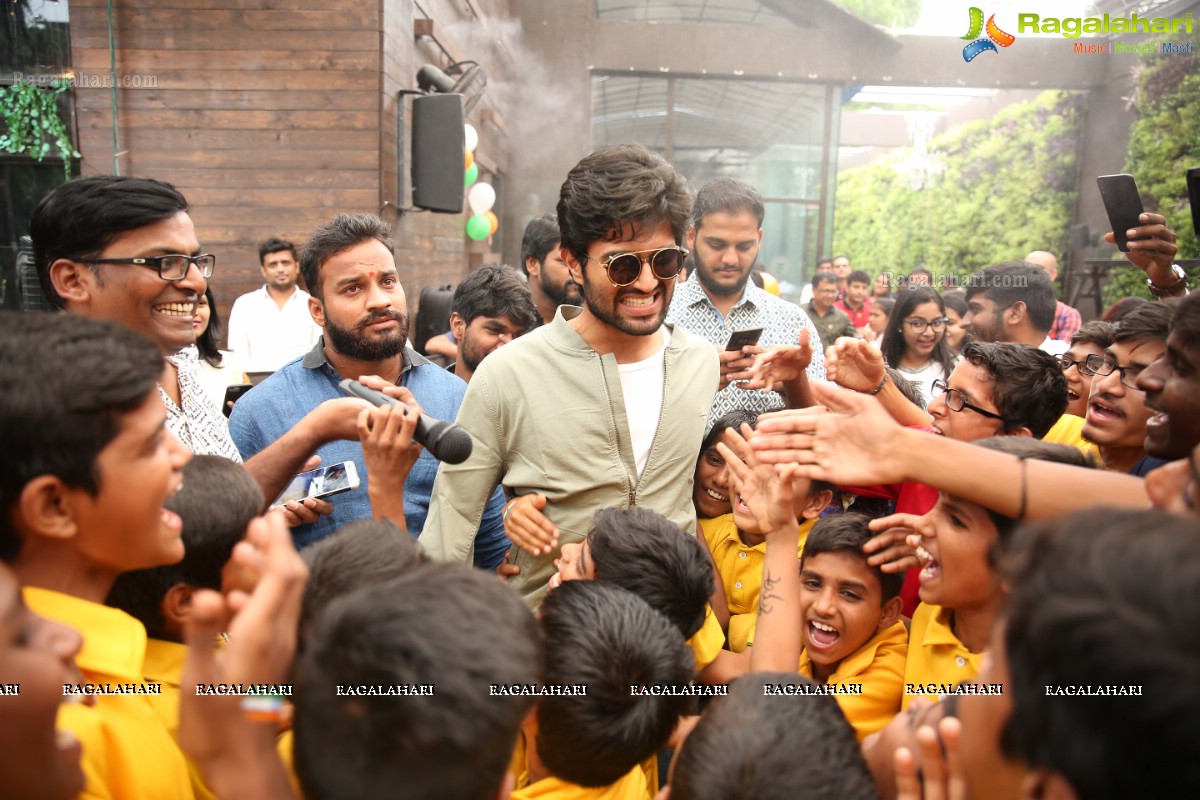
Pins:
x: 606, y: 405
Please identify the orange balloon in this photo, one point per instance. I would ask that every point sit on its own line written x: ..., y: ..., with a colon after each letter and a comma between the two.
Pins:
x: 492, y: 221
x: 469, y: 160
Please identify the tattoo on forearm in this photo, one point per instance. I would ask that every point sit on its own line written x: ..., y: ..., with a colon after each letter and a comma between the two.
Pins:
x: 768, y: 592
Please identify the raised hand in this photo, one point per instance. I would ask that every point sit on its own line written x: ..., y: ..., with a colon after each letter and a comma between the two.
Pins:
x: 854, y: 364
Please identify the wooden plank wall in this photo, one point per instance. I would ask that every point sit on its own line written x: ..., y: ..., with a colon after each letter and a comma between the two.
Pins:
x: 270, y: 116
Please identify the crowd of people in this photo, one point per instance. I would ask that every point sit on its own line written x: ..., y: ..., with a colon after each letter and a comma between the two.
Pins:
x: 708, y: 543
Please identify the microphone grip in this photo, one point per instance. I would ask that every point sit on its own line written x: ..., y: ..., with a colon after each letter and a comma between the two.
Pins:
x: 444, y: 440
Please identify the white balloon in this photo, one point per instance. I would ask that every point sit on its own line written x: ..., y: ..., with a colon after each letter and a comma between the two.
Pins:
x: 481, y: 197
x: 472, y: 138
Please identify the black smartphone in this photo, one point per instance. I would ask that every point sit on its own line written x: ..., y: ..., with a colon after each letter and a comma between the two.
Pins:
x: 743, y: 338
x: 233, y: 393
x: 1123, y: 204
x: 1193, y: 184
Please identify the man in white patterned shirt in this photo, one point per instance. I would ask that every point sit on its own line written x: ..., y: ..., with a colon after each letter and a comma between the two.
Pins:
x: 719, y: 298
x: 125, y: 250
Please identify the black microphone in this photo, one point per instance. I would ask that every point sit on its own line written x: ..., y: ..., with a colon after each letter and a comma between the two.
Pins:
x: 445, y: 440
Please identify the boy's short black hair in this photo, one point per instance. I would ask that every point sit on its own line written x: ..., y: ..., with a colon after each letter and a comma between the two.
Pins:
x: 847, y: 533
x: 495, y: 290
x: 1097, y: 332
x: 217, y: 501
x: 275, y: 245
x: 606, y: 638
x: 732, y: 419
x: 1028, y: 386
x: 858, y: 276
x: 1025, y: 447
x: 80, y: 218
x: 1106, y: 598
x: 365, y: 552
x: 444, y: 624
x: 617, y: 192
x: 69, y: 382
x: 1150, y: 322
x: 645, y: 553
x: 751, y: 745
x: 540, y: 236
x: 1015, y: 282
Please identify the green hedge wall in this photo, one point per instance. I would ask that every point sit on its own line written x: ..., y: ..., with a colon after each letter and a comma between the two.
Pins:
x: 1007, y: 187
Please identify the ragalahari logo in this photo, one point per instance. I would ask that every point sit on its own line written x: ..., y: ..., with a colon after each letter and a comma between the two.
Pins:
x: 995, y: 36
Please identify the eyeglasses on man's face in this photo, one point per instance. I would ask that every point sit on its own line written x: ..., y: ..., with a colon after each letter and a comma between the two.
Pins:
x: 624, y: 268
x: 169, y: 268
x: 957, y: 401
x: 919, y: 325
x: 1066, y: 362
x: 1098, y: 365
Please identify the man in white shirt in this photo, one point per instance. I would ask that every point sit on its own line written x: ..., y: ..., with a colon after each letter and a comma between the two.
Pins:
x: 271, y: 326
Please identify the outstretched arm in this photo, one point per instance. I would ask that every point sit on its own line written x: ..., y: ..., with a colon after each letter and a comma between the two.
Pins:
x: 860, y: 444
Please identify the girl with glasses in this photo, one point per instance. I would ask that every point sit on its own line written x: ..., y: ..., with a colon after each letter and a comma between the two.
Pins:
x: 915, y: 339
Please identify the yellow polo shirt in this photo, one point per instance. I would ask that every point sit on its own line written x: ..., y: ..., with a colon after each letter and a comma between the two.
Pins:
x: 1069, y: 431
x: 164, y: 665
x: 127, y: 750
x: 935, y: 655
x: 740, y: 566
x: 878, y: 668
x: 631, y: 787
x: 707, y: 642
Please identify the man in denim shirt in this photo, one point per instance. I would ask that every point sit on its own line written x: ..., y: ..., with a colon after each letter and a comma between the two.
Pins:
x: 358, y: 301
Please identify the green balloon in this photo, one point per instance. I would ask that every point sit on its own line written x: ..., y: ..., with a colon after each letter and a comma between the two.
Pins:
x: 472, y: 175
x: 478, y: 227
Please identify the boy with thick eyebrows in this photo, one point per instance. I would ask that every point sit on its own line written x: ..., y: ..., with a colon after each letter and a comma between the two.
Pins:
x: 89, y: 465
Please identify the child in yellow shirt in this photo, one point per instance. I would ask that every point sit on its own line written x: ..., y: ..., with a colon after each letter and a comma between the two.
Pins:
x: 216, y: 504
x: 853, y: 635
x: 960, y: 592
x: 734, y: 539
x: 84, y: 421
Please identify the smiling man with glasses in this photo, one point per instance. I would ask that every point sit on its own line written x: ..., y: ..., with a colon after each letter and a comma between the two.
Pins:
x: 125, y: 250
x: 604, y: 406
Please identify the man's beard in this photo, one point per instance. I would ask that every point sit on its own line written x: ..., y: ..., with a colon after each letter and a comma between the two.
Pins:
x: 351, y: 342
x: 720, y: 290
x: 566, y: 293
x: 471, y: 355
x: 606, y: 309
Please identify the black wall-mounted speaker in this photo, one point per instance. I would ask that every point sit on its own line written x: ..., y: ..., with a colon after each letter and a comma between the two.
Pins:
x: 438, y: 147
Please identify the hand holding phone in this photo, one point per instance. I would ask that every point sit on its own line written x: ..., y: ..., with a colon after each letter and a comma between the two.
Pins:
x: 320, y: 483
x: 233, y: 393
x: 743, y: 338
x: 1123, y: 204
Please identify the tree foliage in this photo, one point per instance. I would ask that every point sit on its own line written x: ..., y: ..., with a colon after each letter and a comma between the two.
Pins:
x: 1006, y: 186
x: 1164, y: 143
